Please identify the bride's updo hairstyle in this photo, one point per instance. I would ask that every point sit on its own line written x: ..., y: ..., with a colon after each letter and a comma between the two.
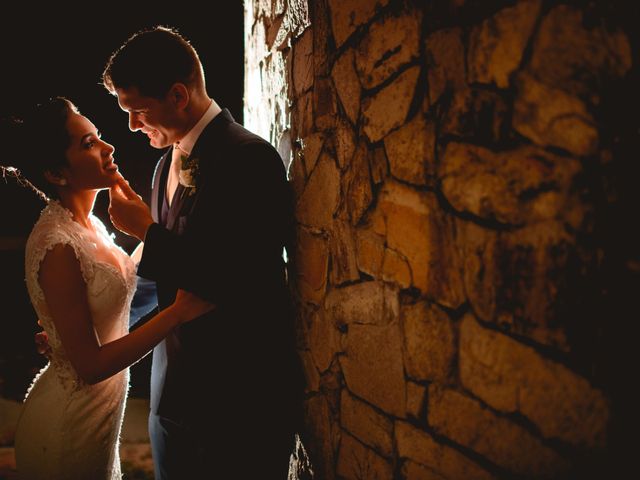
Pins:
x: 38, y: 144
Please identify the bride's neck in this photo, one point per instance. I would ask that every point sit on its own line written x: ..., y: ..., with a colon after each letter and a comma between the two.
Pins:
x: 80, y: 204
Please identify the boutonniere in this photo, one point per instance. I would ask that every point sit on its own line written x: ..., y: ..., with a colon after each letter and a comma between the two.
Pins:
x: 188, y: 172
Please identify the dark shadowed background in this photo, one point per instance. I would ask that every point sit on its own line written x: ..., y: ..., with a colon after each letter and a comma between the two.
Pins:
x: 51, y: 51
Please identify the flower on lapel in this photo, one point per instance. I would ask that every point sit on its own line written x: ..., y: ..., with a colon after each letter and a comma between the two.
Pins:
x: 188, y: 172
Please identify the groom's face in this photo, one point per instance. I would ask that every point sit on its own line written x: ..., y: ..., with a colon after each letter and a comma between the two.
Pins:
x: 158, y: 119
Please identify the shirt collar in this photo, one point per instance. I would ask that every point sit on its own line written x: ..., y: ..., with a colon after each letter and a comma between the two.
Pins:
x: 187, y: 142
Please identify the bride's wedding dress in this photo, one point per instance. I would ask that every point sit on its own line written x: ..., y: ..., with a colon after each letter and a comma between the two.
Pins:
x: 69, y: 429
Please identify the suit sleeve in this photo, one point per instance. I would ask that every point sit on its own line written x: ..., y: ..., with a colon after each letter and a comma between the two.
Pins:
x: 235, y: 232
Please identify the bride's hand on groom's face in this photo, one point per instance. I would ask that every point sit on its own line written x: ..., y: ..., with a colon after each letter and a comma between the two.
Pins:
x: 128, y: 212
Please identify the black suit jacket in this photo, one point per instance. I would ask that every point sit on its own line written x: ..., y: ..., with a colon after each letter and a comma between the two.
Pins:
x: 224, y: 242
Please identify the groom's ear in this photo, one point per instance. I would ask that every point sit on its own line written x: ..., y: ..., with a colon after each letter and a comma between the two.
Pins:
x: 179, y: 95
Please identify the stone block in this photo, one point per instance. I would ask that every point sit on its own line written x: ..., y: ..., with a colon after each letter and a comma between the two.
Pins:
x: 388, y: 108
x: 497, y: 44
x: 416, y: 400
x: 445, y: 62
x: 303, y: 63
x: 429, y: 340
x: 372, y: 366
x: 505, y: 443
x: 513, y: 377
x: 312, y: 265
x: 348, y: 15
x: 366, y: 424
x: 578, y: 58
x: 552, y: 118
x: 347, y: 85
x: 514, y: 187
x: 320, y: 198
x: 344, y: 267
x: 355, y: 461
x: 391, y: 43
x: 369, y: 303
x: 411, y: 151
x: 370, y: 252
x: 420, y: 447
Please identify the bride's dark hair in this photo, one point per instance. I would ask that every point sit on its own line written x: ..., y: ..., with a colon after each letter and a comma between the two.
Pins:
x: 38, y: 144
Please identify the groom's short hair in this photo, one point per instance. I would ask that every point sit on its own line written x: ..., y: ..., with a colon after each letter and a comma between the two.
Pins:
x: 152, y: 61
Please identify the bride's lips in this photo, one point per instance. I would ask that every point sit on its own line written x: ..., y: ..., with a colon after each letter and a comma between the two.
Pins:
x: 110, y: 166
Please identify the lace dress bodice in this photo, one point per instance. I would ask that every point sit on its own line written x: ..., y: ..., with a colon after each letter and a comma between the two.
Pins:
x: 62, y: 414
x: 109, y: 290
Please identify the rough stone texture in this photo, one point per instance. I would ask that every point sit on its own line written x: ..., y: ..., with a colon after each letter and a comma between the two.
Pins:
x: 312, y: 146
x: 344, y: 267
x: 416, y: 228
x: 466, y: 422
x: 347, y: 84
x: 370, y: 247
x: 370, y: 303
x: 478, y: 115
x: 512, y: 377
x: 366, y: 424
x: 392, y: 42
x: 348, y: 15
x: 551, y: 117
x: 574, y: 56
x: 429, y: 342
x: 345, y: 143
x: 411, y: 151
x: 514, y: 187
x: 311, y: 374
x: 414, y: 471
x: 303, y: 63
x: 396, y: 269
x: 388, y: 108
x: 287, y: 23
x: 496, y: 46
x: 459, y: 159
x: 517, y: 279
x: 320, y: 198
x: 324, y: 340
x: 355, y: 461
x: 372, y: 366
x: 445, y: 58
x: 421, y: 448
x: 321, y: 437
x: 312, y: 264
x: 379, y: 165
x: 415, y: 400
x: 325, y: 104
x: 358, y: 185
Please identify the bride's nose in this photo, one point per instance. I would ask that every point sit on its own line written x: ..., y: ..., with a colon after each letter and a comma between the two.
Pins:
x: 108, y: 149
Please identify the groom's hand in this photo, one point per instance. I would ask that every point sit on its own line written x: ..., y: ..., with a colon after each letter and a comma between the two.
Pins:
x: 128, y: 212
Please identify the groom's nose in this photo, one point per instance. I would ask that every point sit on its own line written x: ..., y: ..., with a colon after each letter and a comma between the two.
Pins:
x: 134, y: 123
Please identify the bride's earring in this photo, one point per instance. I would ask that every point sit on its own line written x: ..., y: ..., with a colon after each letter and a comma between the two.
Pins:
x: 63, y: 181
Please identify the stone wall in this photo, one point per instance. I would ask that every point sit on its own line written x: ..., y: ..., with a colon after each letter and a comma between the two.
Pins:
x: 454, y: 165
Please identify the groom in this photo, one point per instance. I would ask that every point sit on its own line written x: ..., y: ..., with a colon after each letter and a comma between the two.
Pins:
x: 225, y: 389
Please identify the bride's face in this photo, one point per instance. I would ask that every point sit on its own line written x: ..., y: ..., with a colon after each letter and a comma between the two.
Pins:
x: 90, y: 159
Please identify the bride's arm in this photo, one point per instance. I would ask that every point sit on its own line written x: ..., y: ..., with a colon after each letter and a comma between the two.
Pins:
x: 136, y: 255
x: 65, y: 292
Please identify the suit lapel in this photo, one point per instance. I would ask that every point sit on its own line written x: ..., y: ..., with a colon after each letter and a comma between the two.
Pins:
x: 159, y: 186
x: 208, y: 142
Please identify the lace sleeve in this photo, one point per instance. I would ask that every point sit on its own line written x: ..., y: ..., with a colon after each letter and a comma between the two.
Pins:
x: 49, y: 231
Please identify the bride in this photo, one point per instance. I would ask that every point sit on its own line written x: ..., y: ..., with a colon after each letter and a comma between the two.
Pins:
x: 81, y: 285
